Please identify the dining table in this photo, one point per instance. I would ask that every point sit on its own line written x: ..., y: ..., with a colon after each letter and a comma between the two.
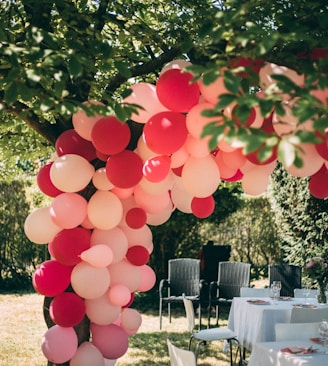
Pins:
x: 288, y: 353
x: 253, y: 320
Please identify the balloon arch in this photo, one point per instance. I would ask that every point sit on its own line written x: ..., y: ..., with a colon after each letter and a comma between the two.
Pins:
x: 100, y: 245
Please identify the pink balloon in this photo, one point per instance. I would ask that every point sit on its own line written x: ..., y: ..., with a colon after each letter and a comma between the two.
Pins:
x: 212, y: 91
x: 150, y: 203
x: 136, y: 217
x: 158, y: 187
x: 226, y: 170
x: 148, y: 279
x: 119, y: 295
x: 318, y: 184
x: 101, y: 311
x: 137, y: 255
x: 87, y: 354
x: 234, y: 159
x: 160, y: 218
x: 165, y: 132
x: 202, y: 207
x: 142, y: 236
x: 181, y: 199
x: 70, y: 142
x: 157, y: 168
x: 196, y: 121
x: 67, y: 309
x: 71, y: 173
x: 125, y: 273
x: 124, y: 170
x: 99, y: 256
x: 255, y: 182
x: 111, y: 340
x: 39, y: 227
x: 68, y: 244
x: 51, y: 278
x: 68, y: 210
x: 100, y: 180
x: 197, y: 147
x: 89, y: 282
x: 44, y: 182
x: 114, y: 238
x: 144, y: 95
x: 179, y: 157
x: 83, y: 124
x: 105, y: 210
x: 130, y: 319
x: 176, y: 91
x: 59, y: 344
x: 110, y: 136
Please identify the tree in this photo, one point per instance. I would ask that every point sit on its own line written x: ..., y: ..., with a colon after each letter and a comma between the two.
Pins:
x: 55, y: 55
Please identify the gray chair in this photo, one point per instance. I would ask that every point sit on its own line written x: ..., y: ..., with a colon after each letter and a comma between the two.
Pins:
x: 179, y: 356
x: 289, y: 275
x: 231, y: 277
x: 183, y: 278
x: 308, y: 315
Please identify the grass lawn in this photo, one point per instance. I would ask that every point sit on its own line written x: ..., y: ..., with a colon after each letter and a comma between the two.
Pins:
x: 22, y: 328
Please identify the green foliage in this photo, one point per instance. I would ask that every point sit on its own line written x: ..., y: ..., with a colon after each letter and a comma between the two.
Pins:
x: 302, y: 220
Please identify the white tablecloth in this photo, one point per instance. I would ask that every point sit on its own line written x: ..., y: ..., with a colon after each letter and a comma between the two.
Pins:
x: 269, y: 354
x: 256, y: 323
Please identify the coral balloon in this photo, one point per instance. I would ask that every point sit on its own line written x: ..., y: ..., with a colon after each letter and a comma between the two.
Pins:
x: 59, y: 344
x: 100, y: 180
x: 196, y: 121
x: 44, y: 182
x: 68, y: 244
x: 99, y: 256
x: 150, y: 203
x: 157, y: 168
x: 110, y: 136
x: 202, y: 207
x: 67, y: 309
x: 111, y: 340
x: 105, y: 210
x: 51, y: 278
x: 136, y: 217
x: 143, y: 236
x: 68, y: 210
x: 212, y: 91
x: 83, y: 123
x: 130, y: 319
x: 137, y: 255
x: 176, y: 91
x: 124, y: 170
x: 148, y: 279
x: 39, y: 227
x: 125, y: 273
x: 119, y: 295
x: 165, y: 132
x: 255, y: 182
x: 89, y: 282
x: 144, y: 95
x: 87, y: 354
x: 71, y: 173
x: 70, y: 142
x: 101, y: 311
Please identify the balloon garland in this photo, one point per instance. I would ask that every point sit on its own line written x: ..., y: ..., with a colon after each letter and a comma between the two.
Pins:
x: 100, y: 245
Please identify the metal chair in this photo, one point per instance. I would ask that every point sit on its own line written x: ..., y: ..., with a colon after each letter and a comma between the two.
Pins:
x: 308, y: 315
x: 179, y: 356
x: 292, y: 331
x: 231, y: 277
x: 183, y: 278
x: 289, y: 275
x: 298, y: 292
x: 254, y: 292
x: 209, y: 335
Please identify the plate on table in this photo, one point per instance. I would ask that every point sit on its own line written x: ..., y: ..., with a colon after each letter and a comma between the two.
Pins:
x: 317, y: 340
x: 285, y: 298
x: 258, y: 302
x: 298, y: 350
x: 306, y: 306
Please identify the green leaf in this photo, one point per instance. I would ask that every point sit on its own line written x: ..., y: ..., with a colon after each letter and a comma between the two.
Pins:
x: 231, y: 82
x: 11, y: 93
x: 74, y: 66
x: 120, y: 112
x: 225, y: 100
x: 286, y: 152
x: 123, y: 69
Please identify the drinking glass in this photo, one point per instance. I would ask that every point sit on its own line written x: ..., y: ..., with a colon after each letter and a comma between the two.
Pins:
x: 306, y: 292
x: 323, y: 331
x: 275, y: 289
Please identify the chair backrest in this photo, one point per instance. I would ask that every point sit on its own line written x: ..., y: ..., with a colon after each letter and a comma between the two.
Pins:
x: 254, y: 292
x: 291, y: 331
x: 210, y: 257
x: 190, y: 313
x: 289, y: 275
x: 231, y: 277
x: 308, y: 315
x: 184, y: 276
x: 298, y: 292
x: 180, y: 357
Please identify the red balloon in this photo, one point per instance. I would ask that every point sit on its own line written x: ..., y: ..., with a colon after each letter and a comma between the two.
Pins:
x: 136, y: 218
x: 137, y: 255
x: 70, y: 142
x: 253, y: 157
x: 124, y: 170
x: 236, y: 177
x: 202, y: 207
x: 130, y: 302
x: 255, y: 65
x: 44, y: 182
x: 248, y: 122
x: 68, y: 244
x: 110, y: 136
x: 318, y: 184
x: 322, y: 148
x: 157, y: 168
x: 176, y: 91
x: 67, y: 309
x: 51, y: 278
x: 165, y: 132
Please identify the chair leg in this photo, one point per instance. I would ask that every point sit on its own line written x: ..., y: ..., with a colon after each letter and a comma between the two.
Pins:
x: 199, y: 316
x: 217, y: 315
x: 160, y: 313
x: 169, y: 311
